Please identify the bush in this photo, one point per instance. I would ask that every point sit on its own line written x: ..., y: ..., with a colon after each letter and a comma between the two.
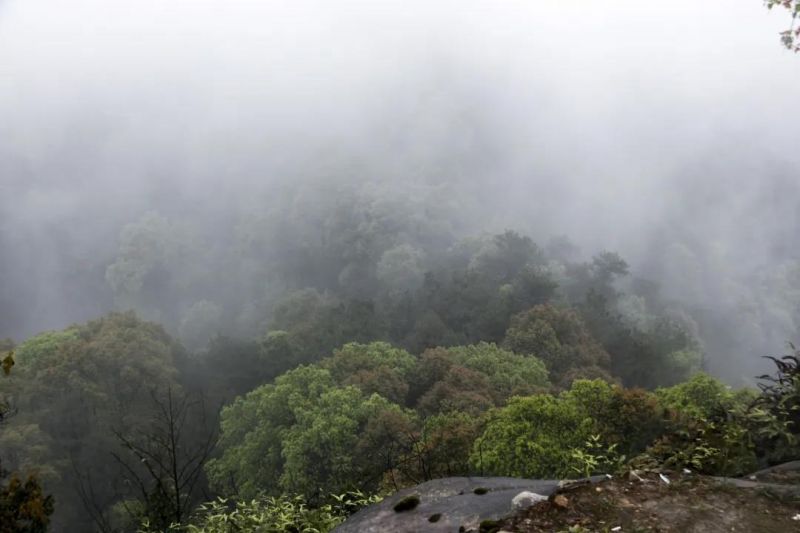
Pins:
x: 629, y: 419
x: 290, y: 514
x: 531, y: 437
x: 700, y: 397
x: 775, y: 413
x: 711, y: 429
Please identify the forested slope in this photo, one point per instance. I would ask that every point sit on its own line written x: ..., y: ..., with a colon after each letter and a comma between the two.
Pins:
x: 488, y: 356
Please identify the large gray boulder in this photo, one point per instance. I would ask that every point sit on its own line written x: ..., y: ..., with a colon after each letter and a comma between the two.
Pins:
x: 446, y: 505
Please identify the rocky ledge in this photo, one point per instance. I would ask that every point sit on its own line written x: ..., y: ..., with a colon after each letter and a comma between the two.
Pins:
x: 451, y: 505
x: 665, y: 501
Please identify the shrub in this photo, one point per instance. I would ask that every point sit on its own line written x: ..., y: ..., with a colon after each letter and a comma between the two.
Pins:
x: 280, y: 514
x: 711, y: 429
x: 531, y: 437
x: 775, y: 413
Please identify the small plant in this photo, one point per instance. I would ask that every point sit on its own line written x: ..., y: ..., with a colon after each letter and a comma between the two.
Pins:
x: 595, y: 456
x: 282, y: 514
x: 585, y: 462
x: 775, y: 413
x: 350, y: 502
x: 575, y: 529
x: 713, y: 447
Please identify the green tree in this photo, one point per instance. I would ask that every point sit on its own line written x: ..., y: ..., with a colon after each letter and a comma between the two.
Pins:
x: 164, y: 461
x: 24, y: 507
x: 448, y: 439
x: 598, y: 277
x: 560, y: 338
x: 711, y: 430
x: 376, y: 367
x: 158, y: 265
x: 304, y: 434
x: 701, y: 397
x: 629, y: 419
x: 320, y: 450
x: 505, y: 256
x: 531, y: 437
x: 253, y: 428
x: 401, y: 268
x: 461, y: 389
x: 73, y: 387
x: 319, y: 322
x: 199, y: 324
x: 227, y: 368
x: 472, y: 378
x: 509, y: 374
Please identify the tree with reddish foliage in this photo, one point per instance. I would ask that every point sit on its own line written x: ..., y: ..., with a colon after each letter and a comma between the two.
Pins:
x: 24, y: 508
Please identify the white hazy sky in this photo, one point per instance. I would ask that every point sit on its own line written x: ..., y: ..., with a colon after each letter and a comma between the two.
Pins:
x: 297, y: 59
x: 623, y: 124
x: 618, y: 91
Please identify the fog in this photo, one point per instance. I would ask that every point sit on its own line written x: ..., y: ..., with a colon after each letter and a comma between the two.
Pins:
x: 666, y: 132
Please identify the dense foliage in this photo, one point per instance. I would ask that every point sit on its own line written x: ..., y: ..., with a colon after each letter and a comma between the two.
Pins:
x: 367, y: 416
x: 73, y: 389
x: 485, y: 356
x: 350, y: 320
x: 24, y: 507
x: 269, y: 515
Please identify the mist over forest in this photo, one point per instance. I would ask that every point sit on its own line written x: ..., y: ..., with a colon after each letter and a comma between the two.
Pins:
x: 240, y: 133
x: 432, y: 175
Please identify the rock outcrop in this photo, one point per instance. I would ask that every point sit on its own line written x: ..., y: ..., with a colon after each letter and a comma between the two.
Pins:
x: 450, y: 505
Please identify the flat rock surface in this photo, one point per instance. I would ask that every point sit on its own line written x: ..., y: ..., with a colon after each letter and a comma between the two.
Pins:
x: 783, y: 474
x: 455, y: 501
x: 689, y: 503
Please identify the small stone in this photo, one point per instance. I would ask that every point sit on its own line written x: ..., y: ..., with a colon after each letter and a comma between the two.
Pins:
x: 561, y: 501
x: 598, y: 489
x: 525, y: 499
x: 634, y: 475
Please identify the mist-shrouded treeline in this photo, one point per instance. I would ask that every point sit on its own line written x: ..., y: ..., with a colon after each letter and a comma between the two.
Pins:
x: 184, y: 169
x: 470, y: 191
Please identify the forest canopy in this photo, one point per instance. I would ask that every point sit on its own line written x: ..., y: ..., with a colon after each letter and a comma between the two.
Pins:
x: 265, y: 263
x: 502, y: 357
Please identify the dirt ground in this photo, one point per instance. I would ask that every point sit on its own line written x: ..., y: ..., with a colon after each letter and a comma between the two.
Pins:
x: 645, y: 502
